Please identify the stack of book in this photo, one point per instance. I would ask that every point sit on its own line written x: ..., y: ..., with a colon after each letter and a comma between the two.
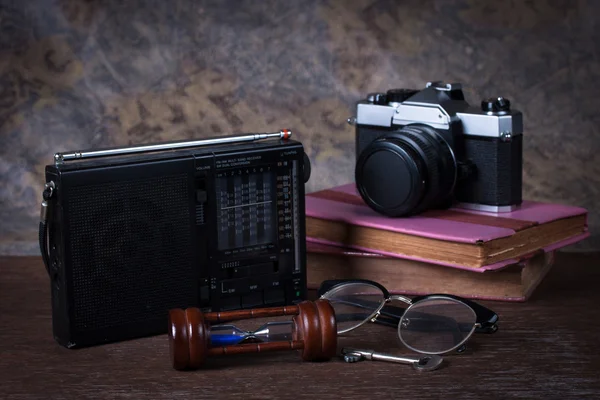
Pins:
x: 493, y: 256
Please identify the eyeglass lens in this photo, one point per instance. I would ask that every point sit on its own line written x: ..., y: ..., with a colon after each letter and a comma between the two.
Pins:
x: 354, y: 303
x: 436, y: 325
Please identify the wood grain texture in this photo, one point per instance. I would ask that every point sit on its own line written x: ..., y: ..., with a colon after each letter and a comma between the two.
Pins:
x: 313, y: 330
x: 76, y: 74
x: 545, y: 348
x: 224, y: 316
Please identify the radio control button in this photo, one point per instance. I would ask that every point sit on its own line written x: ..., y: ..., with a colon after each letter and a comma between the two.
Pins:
x: 273, y: 283
x: 252, y: 285
x: 201, y: 196
x: 252, y: 300
x: 230, y: 303
x: 276, y: 295
x: 232, y: 286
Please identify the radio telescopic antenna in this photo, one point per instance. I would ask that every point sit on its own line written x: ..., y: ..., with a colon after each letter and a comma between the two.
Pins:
x: 59, y: 158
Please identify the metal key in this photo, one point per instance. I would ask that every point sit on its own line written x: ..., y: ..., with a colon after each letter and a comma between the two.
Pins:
x: 422, y: 364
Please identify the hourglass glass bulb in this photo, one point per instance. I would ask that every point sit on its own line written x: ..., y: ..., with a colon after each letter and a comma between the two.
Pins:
x: 227, y: 335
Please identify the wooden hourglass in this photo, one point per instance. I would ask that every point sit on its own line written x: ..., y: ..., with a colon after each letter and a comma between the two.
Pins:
x: 313, y: 330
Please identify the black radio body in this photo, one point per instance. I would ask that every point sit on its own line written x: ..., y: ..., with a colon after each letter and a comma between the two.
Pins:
x: 219, y: 227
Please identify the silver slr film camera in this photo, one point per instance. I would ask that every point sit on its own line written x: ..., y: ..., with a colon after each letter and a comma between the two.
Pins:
x: 425, y: 149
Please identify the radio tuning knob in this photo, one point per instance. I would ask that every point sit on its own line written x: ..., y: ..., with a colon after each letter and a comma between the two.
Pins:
x: 306, y: 168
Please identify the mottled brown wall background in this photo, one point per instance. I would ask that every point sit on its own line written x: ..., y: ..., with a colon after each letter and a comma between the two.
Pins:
x: 78, y: 74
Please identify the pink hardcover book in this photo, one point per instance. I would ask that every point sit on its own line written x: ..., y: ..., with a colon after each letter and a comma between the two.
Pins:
x: 455, y: 237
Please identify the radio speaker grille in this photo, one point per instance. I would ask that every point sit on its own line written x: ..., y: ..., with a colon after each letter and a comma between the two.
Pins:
x: 131, y: 251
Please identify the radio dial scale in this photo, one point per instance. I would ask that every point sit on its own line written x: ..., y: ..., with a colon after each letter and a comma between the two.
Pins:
x: 256, y: 258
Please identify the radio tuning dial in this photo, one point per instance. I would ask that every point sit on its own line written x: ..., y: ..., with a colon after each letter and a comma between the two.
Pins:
x: 306, y: 168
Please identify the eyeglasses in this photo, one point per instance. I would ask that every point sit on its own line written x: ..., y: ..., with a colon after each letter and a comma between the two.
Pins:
x: 431, y: 324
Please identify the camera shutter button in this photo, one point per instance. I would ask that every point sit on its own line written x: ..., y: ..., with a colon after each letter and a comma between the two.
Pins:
x: 495, y: 104
x: 377, y: 98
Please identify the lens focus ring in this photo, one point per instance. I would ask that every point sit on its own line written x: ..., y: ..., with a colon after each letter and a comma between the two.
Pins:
x: 432, y: 176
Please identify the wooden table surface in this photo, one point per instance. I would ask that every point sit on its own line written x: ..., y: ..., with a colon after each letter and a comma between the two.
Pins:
x: 546, y: 347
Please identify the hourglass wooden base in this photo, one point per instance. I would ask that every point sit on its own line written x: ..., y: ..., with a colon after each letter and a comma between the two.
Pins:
x: 314, y: 332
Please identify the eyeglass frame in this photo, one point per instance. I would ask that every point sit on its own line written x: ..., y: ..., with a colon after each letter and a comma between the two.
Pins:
x: 486, y: 320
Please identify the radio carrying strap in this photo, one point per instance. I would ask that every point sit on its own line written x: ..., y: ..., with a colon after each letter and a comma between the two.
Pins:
x: 46, y: 208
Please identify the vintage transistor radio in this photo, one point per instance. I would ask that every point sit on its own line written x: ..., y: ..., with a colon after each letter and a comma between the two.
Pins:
x: 129, y: 233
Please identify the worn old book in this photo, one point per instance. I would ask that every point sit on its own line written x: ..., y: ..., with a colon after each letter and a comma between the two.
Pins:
x: 454, y: 237
x: 514, y: 282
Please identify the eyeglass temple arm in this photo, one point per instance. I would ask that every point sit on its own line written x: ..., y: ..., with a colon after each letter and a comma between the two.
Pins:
x: 390, y: 315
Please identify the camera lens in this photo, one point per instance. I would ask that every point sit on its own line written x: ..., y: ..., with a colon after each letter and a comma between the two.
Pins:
x: 406, y: 172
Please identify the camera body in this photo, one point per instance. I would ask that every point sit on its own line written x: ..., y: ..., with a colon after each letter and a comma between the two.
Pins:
x: 426, y: 149
x: 131, y: 236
